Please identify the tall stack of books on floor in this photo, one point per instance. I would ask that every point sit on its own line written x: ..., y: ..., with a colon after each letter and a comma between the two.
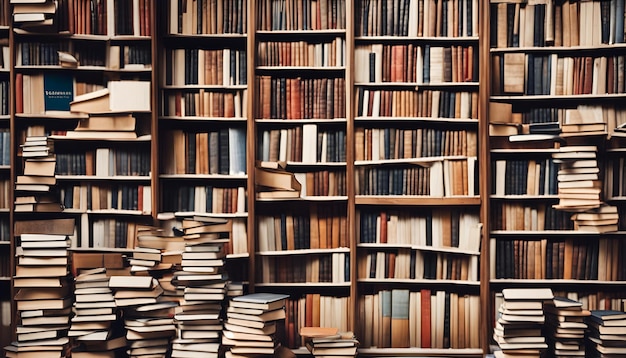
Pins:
x: 579, y: 184
x: 606, y: 336
x: 204, y: 283
x: 565, y: 327
x: 146, y: 335
x: 329, y: 342
x: 95, y: 327
x: 34, y: 190
x: 44, y: 298
x: 520, y: 323
x: 251, y: 324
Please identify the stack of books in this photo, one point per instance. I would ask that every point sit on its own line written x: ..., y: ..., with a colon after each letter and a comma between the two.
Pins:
x: 203, y: 281
x: 606, y: 336
x: 34, y: 189
x: 251, y: 324
x: 329, y: 342
x: 101, y: 123
x: 147, y: 334
x: 95, y: 326
x: 521, y: 318
x: 601, y: 219
x: 273, y: 181
x: 43, y: 298
x: 565, y: 327
x: 579, y: 184
x: 34, y: 14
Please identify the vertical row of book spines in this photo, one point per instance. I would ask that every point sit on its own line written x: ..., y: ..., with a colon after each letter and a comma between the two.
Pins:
x: 221, y: 67
x: 399, y: 318
x: 559, y: 259
x: 97, y: 197
x: 417, y: 18
x: 206, y: 198
x: 220, y: 151
x: 558, y: 75
x: 111, y: 233
x: 525, y: 177
x: 206, y: 17
x: 311, y: 269
x: 437, y: 229
x: 300, y: 98
x: 407, y: 264
x: 327, y: 53
x: 400, y: 143
x: 567, y: 24
x: 528, y: 217
x: 307, y: 15
x: 446, y: 178
x: 416, y: 64
x: 436, y: 104
x: 203, y: 103
x: 289, y: 145
x: 318, y: 230
x: 105, y: 17
x: 104, y: 162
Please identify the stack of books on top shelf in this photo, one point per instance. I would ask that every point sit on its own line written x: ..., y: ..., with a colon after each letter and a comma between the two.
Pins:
x: 147, y: 335
x: 34, y: 14
x: 203, y: 281
x: 602, y: 219
x: 520, y: 322
x: 95, y: 326
x: 43, y: 299
x: 329, y: 342
x: 34, y: 189
x: 606, y: 336
x: 272, y: 180
x: 578, y: 178
x: 565, y: 327
x: 251, y: 324
x: 584, y: 119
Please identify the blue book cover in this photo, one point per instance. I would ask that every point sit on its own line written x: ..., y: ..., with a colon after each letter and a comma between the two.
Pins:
x: 58, y: 90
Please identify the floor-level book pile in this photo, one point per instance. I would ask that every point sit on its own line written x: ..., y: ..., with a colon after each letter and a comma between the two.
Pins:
x: 251, y: 324
x: 520, y: 323
x: 565, y: 327
x: 606, y: 336
x: 328, y: 342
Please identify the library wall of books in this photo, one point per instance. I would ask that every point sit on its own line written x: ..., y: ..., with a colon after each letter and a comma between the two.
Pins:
x: 236, y: 178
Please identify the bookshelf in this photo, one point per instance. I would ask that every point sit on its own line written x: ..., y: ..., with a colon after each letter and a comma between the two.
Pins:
x: 6, y: 251
x: 553, y: 76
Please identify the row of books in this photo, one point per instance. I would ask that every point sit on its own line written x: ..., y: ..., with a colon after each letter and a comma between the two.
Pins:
x: 110, y: 233
x: 4, y: 229
x: 614, y: 178
x: 111, y: 18
x: 543, y: 259
x: 417, y: 18
x: 206, y: 198
x: 558, y: 75
x: 226, y: 67
x: 217, y: 151
x: 6, y: 270
x: 300, y: 98
x: 525, y: 177
x: 104, y: 162
x: 568, y: 23
x: 4, y: 97
x: 415, y: 64
x: 329, y: 268
x: 205, y: 103
x: 444, y: 178
x: 417, y: 265
x: 321, y: 229
x: 323, y: 183
x: 512, y: 216
x: 437, y: 229
x: 422, y: 319
x: 206, y: 17
x: 420, y: 103
x: 330, y: 53
x: 96, y: 197
x: 305, y: 144
x: 40, y: 53
x: 404, y: 143
x: 291, y: 15
x: 5, y: 145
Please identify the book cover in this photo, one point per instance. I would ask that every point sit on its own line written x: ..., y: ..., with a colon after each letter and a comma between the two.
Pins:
x: 58, y: 91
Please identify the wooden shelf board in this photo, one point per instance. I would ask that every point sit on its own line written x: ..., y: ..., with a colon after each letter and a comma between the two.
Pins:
x: 416, y: 200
